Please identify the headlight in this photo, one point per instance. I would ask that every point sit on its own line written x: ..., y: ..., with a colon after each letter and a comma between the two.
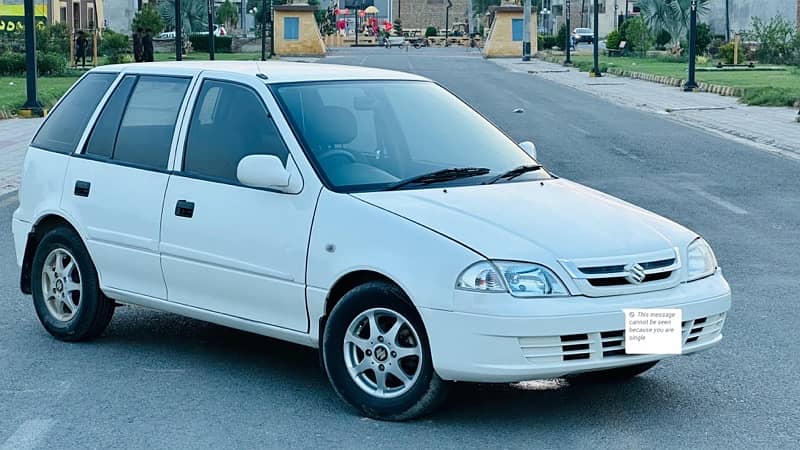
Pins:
x: 701, y: 260
x: 518, y: 278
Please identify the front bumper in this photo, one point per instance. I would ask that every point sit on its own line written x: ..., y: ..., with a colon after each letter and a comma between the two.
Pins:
x: 536, y: 338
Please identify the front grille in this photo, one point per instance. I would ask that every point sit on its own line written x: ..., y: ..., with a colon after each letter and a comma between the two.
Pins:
x: 608, y: 344
x: 599, y: 277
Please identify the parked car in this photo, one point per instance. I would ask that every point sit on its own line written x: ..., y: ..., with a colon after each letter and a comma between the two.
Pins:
x: 583, y: 35
x: 273, y: 198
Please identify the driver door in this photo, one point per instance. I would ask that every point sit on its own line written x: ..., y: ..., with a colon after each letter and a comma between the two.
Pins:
x: 226, y: 247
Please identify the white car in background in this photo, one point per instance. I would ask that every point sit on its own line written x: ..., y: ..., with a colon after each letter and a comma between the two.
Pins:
x: 316, y: 204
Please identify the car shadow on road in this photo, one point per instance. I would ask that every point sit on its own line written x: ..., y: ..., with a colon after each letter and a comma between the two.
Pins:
x: 169, y: 342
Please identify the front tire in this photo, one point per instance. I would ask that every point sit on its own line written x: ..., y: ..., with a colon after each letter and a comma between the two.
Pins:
x: 66, y: 292
x: 377, y: 356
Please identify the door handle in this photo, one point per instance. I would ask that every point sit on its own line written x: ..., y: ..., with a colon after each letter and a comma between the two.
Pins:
x: 184, y: 209
x: 82, y: 188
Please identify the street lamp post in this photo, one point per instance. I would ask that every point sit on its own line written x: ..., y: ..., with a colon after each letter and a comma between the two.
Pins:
x: 447, y: 22
x: 32, y: 104
x: 526, y: 32
x: 691, y: 84
x: 595, y: 49
x: 178, y: 30
x: 210, y: 8
x: 568, y: 44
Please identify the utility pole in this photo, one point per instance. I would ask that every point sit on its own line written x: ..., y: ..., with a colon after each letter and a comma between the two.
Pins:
x: 178, y: 30
x: 596, y: 51
x: 526, y: 31
x: 447, y: 22
x: 728, y: 21
x: 691, y: 84
x: 32, y: 105
x: 264, y: 30
x: 210, y: 8
x: 568, y: 44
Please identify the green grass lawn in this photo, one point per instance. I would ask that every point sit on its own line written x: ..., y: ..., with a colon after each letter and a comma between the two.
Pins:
x: 773, y: 88
x: 13, y: 93
x: 198, y: 56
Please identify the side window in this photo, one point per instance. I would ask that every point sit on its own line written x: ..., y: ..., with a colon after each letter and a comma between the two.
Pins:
x: 148, y: 123
x: 104, y: 134
x: 63, y: 128
x: 229, y: 122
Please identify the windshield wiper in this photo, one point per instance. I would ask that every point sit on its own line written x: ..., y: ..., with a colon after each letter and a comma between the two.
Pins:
x: 441, y: 175
x: 513, y: 173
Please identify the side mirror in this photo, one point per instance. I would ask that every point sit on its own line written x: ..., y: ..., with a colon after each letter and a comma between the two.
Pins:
x: 529, y: 148
x: 263, y: 171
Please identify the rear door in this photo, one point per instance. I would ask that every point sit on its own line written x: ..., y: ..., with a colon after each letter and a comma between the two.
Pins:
x: 115, y: 187
x: 226, y: 247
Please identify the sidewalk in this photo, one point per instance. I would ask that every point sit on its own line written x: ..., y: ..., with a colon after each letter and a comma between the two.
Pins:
x: 15, y: 135
x: 770, y: 128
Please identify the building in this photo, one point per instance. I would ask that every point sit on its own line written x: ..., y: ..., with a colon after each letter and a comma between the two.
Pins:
x: 742, y: 11
x: 610, y: 14
x: 82, y: 14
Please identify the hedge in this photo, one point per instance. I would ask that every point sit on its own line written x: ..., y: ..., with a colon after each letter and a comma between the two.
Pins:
x: 222, y: 44
x: 12, y: 64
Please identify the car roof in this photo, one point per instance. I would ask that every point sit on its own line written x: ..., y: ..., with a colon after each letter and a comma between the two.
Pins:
x: 269, y: 71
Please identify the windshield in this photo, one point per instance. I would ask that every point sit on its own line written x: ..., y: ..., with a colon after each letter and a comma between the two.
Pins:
x: 373, y: 135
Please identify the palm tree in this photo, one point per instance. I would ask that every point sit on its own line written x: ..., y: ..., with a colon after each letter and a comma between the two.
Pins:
x: 194, y: 14
x: 228, y: 14
x: 671, y: 16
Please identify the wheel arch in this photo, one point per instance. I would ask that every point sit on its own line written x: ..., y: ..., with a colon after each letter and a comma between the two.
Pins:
x: 42, y: 226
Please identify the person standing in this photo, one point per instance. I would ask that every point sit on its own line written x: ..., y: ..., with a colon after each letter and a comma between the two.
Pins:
x: 138, y: 45
x: 147, y: 45
x: 80, y: 48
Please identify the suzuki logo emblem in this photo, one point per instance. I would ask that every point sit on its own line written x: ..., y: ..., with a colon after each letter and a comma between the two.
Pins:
x: 635, y: 273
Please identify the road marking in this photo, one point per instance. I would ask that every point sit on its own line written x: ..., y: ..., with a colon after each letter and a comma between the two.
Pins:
x: 28, y: 435
x: 714, y: 199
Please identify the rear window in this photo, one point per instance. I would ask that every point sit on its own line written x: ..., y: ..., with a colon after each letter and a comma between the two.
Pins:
x: 64, y: 126
x: 583, y: 30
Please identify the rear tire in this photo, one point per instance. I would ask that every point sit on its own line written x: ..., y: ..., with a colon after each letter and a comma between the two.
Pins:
x: 66, y: 292
x: 619, y: 374
x: 377, y: 356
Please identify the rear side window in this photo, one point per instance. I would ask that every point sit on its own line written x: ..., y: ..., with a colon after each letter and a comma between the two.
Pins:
x: 63, y: 128
x: 148, y: 124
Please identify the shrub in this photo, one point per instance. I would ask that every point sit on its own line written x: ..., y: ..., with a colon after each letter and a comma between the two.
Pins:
x: 613, y: 40
x: 703, y: 38
x: 770, y: 96
x: 778, y: 40
x: 52, y: 64
x: 561, y: 37
x: 222, y: 44
x: 114, y: 46
x: 663, y: 38
x: 53, y: 39
x: 549, y: 42
x: 397, y: 27
x: 637, y: 35
x: 586, y: 66
x: 714, y: 45
x: 726, y: 53
x: 431, y: 31
x: 12, y: 63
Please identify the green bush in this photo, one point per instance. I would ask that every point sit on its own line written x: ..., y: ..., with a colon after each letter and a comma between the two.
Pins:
x: 53, y: 39
x: 431, y: 31
x: 635, y: 32
x: 778, y: 40
x: 561, y: 37
x: 613, y: 40
x: 726, y: 53
x: 12, y: 63
x: 222, y: 44
x: 663, y: 38
x: 549, y: 42
x: 586, y: 66
x: 114, y: 46
x: 52, y: 64
x: 703, y: 38
x: 770, y: 96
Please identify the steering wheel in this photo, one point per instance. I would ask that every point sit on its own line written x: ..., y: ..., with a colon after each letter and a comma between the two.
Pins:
x: 336, y: 152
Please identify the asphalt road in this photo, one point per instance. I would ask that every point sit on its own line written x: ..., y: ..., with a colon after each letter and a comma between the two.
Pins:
x: 156, y: 380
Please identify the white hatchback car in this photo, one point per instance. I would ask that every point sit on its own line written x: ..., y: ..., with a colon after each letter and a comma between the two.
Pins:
x: 367, y: 213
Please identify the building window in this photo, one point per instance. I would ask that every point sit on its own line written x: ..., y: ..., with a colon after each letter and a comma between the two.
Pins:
x: 516, y: 29
x: 291, y: 28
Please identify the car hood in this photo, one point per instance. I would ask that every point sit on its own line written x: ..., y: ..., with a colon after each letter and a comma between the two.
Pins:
x: 520, y: 220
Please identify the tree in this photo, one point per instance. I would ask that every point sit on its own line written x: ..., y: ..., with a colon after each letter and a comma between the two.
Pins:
x: 671, y: 16
x: 148, y: 19
x: 637, y: 35
x: 194, y: 12
x: 228, y: 15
